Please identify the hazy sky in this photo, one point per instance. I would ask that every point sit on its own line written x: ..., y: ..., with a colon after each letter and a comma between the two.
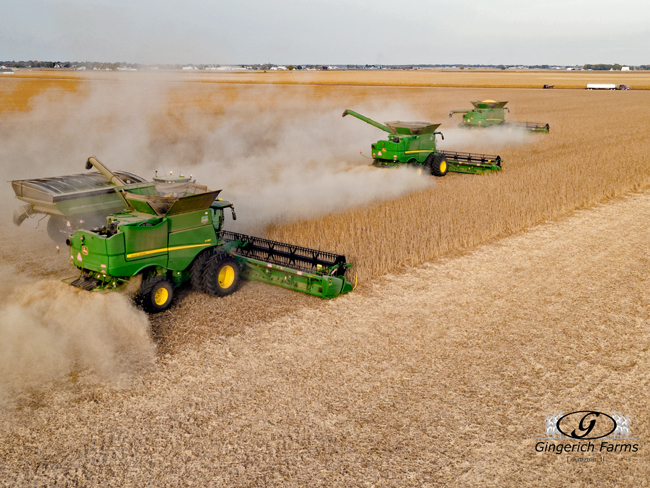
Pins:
x: 333, y: 31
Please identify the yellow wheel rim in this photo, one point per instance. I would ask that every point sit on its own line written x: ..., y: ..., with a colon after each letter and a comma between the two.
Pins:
x: 443, y: 166
x: 161, y: 296
x: 226, y: 276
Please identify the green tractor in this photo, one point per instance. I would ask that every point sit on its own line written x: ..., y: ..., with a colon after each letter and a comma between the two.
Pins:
x: 415, y: 143
x: 168, y: 236
x: 490, y: 113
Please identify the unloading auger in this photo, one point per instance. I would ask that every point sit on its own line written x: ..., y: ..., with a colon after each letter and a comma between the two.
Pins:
x: 415, y: 143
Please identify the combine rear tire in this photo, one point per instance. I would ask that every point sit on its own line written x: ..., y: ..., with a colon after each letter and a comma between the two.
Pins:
x: 156, y: 294
x: 437, y: 164
x: 220, y: 275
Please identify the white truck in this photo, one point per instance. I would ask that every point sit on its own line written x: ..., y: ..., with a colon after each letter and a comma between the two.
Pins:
x: 606, y: 86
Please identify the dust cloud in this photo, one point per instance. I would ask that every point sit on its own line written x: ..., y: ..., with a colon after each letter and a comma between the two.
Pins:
x: 50, y: 330
x: 483, y: 140
x: 277, y: 157
x: 279, y: 154
x: 307, y: 165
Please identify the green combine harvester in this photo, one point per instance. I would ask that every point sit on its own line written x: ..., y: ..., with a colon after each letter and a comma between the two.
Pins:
x: 415, y: 143
x: 172, y: 233
x: 490, y: 113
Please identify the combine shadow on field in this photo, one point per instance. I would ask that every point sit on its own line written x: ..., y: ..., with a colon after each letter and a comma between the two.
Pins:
x: 195, y: 318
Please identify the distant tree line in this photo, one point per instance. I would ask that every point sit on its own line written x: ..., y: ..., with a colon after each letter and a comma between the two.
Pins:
x: 30, y: 64
x: 68, y: 64
x: 603, y: 67
x: 91, y: 65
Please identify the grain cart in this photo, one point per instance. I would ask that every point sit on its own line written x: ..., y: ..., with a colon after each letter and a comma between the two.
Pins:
x: 76, y: 201
x: 71, y: 201
x: 164, y: 239
x: 415, y: 143
x: 490, y: 113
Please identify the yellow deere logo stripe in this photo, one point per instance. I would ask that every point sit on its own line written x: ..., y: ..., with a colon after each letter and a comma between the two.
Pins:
x: 164, y: 249
x: 422, y: 150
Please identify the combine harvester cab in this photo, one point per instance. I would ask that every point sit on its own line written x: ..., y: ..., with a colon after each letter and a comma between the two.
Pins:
x: 490, y: 113
x: 415, y: 143
x: 172, y: 233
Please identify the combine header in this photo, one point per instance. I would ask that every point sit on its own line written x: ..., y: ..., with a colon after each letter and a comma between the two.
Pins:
x: 288, y: 266
x: 415, y: 143
x: 168, y: 236
x: 490, y: 113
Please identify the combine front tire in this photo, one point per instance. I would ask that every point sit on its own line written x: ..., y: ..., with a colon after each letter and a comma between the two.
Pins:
x: 220, y: 275
x: 198, y: 266
x: 437, y: 164
x: 156, y: 294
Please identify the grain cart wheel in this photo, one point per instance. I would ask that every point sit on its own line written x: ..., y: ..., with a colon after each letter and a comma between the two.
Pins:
x: 220, y: 275
x: 437, y: 164
x: 196, y: 270
x: 156, y: 294
x: 57, y: 229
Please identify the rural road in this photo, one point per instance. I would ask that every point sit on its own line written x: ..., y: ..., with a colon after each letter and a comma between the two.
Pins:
x: 441, y: 376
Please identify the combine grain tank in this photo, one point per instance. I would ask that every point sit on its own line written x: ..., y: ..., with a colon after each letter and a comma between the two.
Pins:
x: 490, y: 113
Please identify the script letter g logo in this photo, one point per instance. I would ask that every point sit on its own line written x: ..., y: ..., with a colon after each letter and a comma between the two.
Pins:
x: 586, y: 424
x: 582, y: 427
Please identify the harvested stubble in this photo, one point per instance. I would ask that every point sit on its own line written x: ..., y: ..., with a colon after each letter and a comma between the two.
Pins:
x: 593, y: 153
x: 400, y: 384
